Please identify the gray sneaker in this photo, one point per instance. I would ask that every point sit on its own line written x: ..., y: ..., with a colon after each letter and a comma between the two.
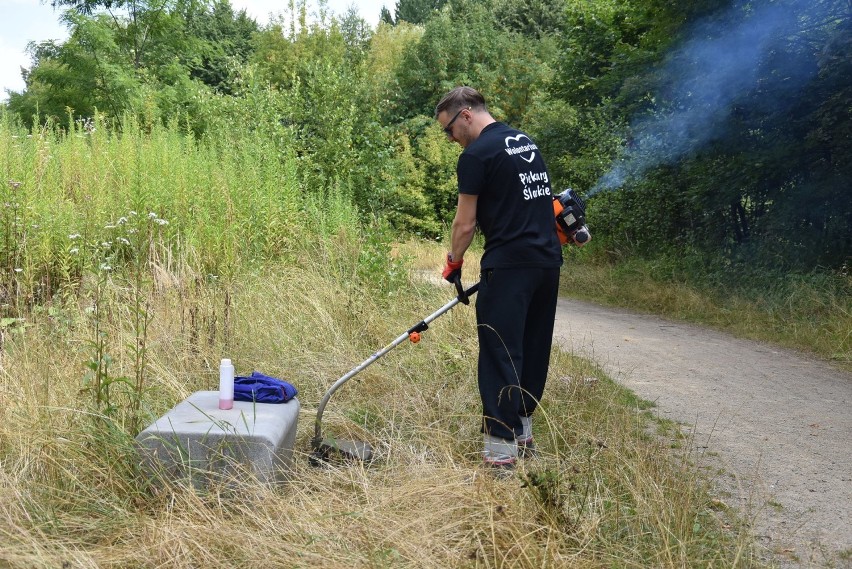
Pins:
x: 526, y: 448
x: 500, y: 468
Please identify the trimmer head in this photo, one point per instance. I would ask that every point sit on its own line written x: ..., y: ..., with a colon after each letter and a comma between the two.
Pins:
x: 332, y: 450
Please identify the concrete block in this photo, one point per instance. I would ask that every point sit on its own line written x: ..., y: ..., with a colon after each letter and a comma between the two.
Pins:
x: 201, y: 444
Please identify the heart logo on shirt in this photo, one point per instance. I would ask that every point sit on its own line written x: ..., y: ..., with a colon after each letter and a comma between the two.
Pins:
x: 515, y: 146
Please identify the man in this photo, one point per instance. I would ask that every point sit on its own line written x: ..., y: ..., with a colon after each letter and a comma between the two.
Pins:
x: 504, y: 188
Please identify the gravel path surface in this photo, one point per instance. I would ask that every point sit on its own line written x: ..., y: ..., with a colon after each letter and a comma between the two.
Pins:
x: 777, y: 423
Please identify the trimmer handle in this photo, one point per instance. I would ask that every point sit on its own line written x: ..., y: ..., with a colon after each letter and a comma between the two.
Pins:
x: 463, y: 294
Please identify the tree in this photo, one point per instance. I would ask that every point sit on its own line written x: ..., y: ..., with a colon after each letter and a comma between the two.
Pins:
x: 356, y: 35
x: 535, y: 18
x: 221, y: 43
x: 385, y: 59
x: 88, y: 71
x: 130, y: 55
x: 462, y: 45
x: 88, y: 7
x: 417, y: 11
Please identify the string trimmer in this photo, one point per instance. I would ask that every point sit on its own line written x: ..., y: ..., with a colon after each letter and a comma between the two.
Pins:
x: 326, y: 449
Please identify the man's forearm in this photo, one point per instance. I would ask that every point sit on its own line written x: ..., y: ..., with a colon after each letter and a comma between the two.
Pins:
x: 460, y: 239
x: 464, y: 226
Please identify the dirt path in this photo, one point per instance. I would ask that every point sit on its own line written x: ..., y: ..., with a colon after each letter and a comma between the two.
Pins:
x: 778, y: 423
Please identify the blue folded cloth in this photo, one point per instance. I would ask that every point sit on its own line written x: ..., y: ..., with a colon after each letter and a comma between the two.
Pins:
x: 261, y: 388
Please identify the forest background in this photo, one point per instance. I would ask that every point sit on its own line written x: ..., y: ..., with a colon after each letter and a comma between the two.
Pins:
x: 715, y: 135
x: 182, y: 184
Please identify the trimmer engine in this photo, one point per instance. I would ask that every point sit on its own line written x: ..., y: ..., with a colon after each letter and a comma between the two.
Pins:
x: 570, y: 214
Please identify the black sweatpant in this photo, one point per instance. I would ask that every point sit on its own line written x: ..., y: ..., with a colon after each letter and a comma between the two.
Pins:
x: 515, y: 310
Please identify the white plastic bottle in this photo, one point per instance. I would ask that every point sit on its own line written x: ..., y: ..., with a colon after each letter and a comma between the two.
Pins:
x: 226, y: 384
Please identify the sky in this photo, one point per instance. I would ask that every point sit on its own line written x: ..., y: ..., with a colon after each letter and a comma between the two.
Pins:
x: 22, y: 21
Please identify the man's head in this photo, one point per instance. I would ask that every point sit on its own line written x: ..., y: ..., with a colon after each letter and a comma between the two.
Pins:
x: 462, y: 114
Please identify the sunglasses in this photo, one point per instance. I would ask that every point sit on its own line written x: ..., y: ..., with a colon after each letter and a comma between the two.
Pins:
x: 448, y: 130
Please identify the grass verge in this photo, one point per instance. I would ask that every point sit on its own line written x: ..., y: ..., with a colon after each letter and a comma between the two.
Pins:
x: 811, y: 313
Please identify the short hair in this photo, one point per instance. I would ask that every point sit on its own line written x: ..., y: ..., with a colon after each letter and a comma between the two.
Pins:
x: 459, y: 98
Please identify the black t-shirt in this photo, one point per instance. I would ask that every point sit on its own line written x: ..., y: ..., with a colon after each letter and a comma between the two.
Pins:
x: 514, y: 210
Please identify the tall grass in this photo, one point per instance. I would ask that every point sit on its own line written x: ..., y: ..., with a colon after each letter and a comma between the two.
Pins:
x: 228, y: 255
x: 601, y: 494
x: 74, y: 201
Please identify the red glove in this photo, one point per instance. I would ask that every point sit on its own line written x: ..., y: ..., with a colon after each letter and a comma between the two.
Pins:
x: 453, y: 269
